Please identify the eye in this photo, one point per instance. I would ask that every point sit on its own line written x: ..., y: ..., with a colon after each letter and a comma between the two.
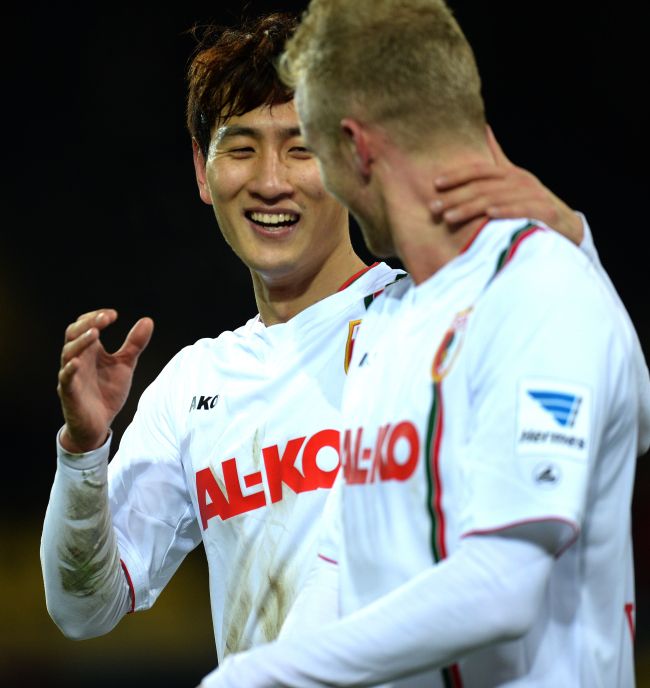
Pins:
x: 301, y: 152
x: 241, y: 151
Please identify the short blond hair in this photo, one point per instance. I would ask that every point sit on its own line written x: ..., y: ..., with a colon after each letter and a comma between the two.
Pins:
x: 403, y: 64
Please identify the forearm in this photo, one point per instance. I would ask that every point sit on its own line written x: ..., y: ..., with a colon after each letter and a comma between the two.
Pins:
x: 487, y: 592
x: 85, y: 588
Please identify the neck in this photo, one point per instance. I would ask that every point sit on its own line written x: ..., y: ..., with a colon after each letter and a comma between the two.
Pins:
x: 281, y: 298
x: 423, y: 243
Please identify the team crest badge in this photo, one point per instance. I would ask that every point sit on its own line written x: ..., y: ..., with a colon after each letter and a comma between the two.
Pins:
x: 353, y: 329
x: 450, y: 346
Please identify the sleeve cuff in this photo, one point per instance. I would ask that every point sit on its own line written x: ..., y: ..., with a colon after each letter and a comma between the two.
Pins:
x: 84, y: 461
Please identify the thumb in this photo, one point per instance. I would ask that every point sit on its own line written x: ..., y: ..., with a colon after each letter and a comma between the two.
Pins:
x: 499, y: 156
x: 137, y: 339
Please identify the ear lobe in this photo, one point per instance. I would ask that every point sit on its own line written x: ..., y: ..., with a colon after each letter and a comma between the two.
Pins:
x: 358, y: 141
x: 199, y: 171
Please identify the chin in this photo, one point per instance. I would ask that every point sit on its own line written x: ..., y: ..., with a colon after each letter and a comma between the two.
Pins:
x: 278, y: 269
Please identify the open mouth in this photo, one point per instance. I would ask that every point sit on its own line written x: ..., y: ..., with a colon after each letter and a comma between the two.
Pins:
x: 273, y: 221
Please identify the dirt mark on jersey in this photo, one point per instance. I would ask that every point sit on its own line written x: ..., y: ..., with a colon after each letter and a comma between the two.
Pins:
x: 260, y: 591
x: 273, y: 607
x: 239, y: 602
x: 86, y: 553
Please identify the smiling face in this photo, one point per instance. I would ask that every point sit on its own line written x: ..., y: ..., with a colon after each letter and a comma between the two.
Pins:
x: 268, y: 197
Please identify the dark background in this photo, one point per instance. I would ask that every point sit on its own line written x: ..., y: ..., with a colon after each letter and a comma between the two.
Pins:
x: 99, y: 208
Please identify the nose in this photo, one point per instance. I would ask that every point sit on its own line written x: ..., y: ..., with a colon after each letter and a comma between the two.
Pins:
x: 271, y: 179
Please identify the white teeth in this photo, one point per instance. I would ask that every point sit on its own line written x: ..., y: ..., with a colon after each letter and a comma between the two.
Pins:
x: 273, y: 219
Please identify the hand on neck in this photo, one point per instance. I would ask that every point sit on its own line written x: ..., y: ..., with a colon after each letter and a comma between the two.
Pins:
x: 423, y: 242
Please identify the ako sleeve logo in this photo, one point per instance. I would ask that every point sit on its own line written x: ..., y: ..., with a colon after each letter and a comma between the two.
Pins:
x: 203, y: 402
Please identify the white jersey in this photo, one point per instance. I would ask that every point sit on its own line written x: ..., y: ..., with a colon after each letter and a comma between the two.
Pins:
x: 503, y: 390
x: 236, y: 444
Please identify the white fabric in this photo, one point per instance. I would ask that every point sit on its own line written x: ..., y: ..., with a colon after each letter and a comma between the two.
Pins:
x: 588, y: 247
x: 494, y: 452
x: 317, y: 603
x: 253, y: 417
x: 528, y: 416
x: 392, y: 636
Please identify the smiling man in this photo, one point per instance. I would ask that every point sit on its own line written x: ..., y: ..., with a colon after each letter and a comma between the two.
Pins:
x: 236, y: 442
x: 272, y: 209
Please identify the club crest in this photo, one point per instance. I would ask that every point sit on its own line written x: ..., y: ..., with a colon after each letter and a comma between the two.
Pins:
x: 450, y: 346
x: 353, y: 328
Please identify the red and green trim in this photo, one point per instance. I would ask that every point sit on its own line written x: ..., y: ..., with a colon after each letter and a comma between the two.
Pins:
x: 371, y: 297
x: 479, y: 229
x: 131, y: 588
x: 515, y: 242
x: 435, y: 425
x: 434, y: 491
x: 450, y: 675
x: 356, y: 276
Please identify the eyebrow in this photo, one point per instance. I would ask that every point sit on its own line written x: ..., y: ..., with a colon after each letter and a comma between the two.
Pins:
x: 228, y: 132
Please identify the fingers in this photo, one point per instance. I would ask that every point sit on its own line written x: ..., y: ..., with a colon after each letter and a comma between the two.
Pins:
x: 66, y: 373
x: 84, y: 332
x: 465, y: 174
x: 76, y: 347
x: 137, y: 340
x: 525, y: 208
x: 504, y: 206
x: 100, y: 319
x: 513, y: 188
x: 473, y: 199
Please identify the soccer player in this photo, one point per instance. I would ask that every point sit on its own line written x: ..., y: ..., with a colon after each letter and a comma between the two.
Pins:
x: 236, y: 442
x: 495, y: 404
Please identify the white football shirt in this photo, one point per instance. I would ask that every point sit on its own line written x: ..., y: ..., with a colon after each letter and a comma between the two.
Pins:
x: 236, y: 444
x: 503, y: 390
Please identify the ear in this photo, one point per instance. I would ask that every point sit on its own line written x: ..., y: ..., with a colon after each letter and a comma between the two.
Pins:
x: 199, y: 170
x: 359, y: 142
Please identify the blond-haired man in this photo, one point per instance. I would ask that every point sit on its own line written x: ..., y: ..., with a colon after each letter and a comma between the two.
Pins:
x: 495, y: 405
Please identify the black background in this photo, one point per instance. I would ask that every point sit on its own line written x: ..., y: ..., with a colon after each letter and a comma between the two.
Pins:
x: 100, y: 209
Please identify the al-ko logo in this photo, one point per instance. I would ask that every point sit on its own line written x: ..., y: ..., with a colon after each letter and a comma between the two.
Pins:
x: 318, y: 456
x: 392, y: 454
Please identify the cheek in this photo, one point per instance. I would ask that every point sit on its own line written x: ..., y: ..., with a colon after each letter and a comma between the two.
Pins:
x: 315, y: 189
x: 310, y: 181
x: 224, y: 181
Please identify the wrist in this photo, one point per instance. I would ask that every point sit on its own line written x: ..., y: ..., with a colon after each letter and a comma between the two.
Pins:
x: 575, y: 228
x: 76, y: 446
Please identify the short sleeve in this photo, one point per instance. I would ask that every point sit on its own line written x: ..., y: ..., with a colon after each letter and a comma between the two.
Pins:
x: 547, y: 353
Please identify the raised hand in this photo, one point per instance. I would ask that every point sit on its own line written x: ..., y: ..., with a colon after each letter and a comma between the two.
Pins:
x: 94, y: 384
x: 501, y: 191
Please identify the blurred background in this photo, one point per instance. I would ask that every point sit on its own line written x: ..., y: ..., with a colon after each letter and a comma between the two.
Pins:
x: 101, y: 209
